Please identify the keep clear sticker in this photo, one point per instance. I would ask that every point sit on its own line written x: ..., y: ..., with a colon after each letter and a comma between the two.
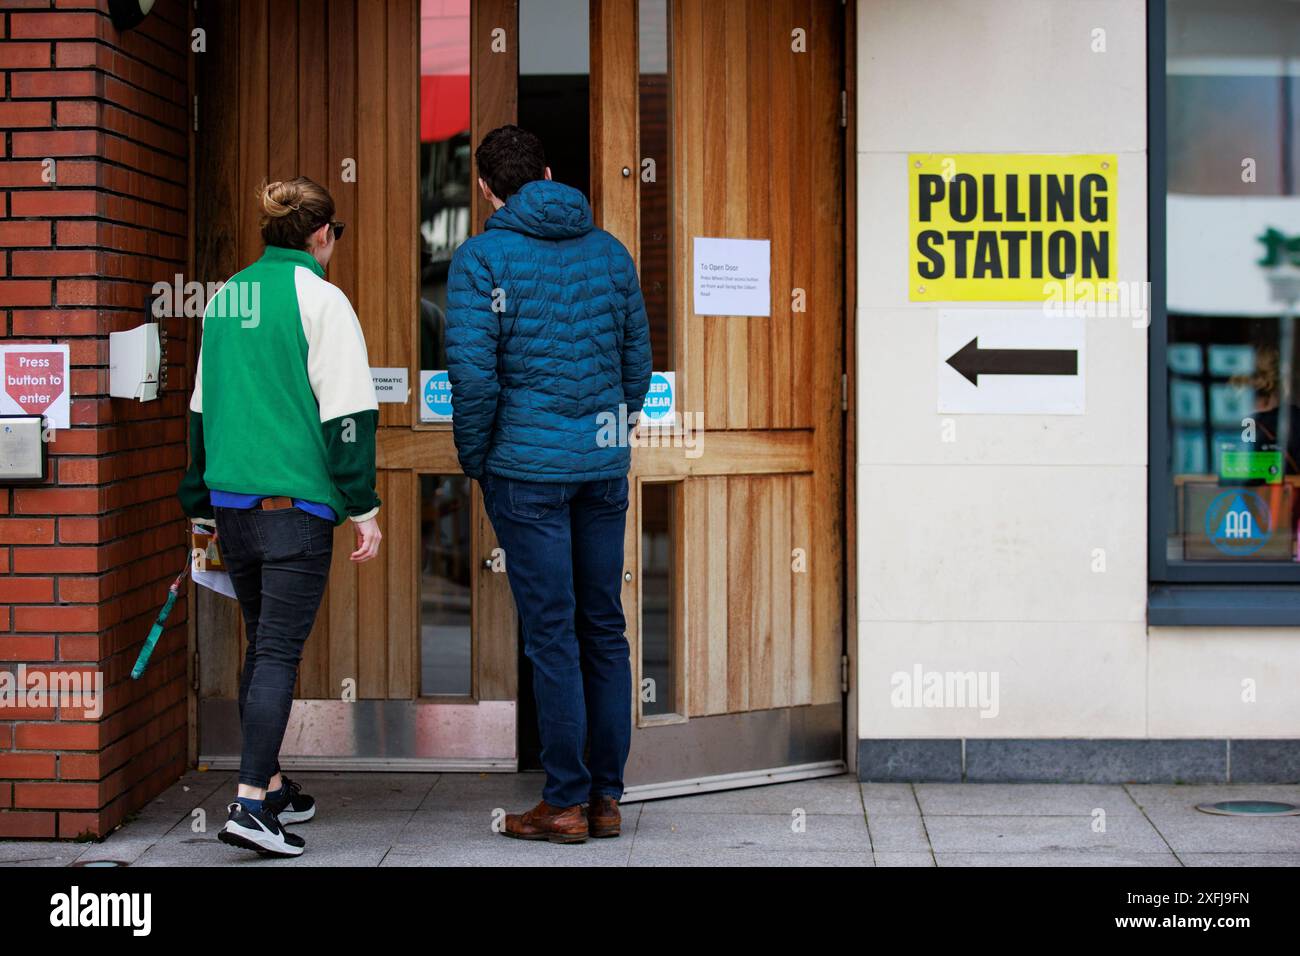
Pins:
x: 435, y: 396
x: 660, y: 408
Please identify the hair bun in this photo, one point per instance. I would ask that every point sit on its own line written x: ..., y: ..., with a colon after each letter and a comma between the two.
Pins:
x: 278, y: 199
x: 291, y: 210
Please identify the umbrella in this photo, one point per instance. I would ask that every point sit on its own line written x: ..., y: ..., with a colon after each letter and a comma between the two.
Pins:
x: 155, y: 632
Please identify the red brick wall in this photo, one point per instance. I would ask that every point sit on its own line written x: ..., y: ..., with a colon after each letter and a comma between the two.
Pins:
x: 85, y: 559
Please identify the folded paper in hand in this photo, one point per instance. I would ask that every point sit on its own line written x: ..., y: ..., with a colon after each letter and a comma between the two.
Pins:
x: 206, y: 566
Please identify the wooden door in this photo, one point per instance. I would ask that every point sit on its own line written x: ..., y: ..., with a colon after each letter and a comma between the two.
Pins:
x: 734, y: 547
x: 331, y: 90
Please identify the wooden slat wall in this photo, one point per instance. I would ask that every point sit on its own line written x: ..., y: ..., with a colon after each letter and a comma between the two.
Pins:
x: 254, y: 151
x: 801, y: 596
x: 781, y: 147
x: 495, y: 620
x: 687, y: 24
x: 739, y: 175
x: 494, y: 91
x: 751, y: 639
x: 809, y: 172
x: 706, y: 575
x: 334, y: 660
x: 740, y: 590
x: 320, y: 82
x: 493, y: 102
x: 759, y: 155
x: 401, y: 122
x: 402, y: 509
x: 216, y: 256
x: 825, y: 183
x: 779, y: 584
x: 758, y: 216
x: 614, y: 121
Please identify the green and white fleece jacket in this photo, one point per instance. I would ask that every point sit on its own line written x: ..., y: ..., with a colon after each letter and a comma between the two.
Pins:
x: 283, y: 401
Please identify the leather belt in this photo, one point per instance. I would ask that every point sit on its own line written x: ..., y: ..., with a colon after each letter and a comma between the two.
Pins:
x: 275, y: 504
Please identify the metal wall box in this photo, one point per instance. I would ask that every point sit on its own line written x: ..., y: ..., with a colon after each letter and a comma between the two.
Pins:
x: 22, y: 451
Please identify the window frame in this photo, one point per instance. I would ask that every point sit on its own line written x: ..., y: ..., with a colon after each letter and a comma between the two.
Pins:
x: 1236, y: 576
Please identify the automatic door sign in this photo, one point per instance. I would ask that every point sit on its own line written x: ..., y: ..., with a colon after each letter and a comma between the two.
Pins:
x: 435, y: 396
x: 390, y: 384
x: 1238, y: 522
x: 989, y: 227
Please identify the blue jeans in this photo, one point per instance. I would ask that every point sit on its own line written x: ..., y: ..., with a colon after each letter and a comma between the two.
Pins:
x: 279, y: 562
x: 563, y: 546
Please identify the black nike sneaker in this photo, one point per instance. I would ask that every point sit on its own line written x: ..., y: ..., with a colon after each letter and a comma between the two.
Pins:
x: 293, y: 806
x: 260, y: 831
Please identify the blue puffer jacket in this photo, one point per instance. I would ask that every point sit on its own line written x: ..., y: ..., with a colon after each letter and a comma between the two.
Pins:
x: 546, y: 338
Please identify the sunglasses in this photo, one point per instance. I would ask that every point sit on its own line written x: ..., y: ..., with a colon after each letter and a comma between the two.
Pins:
x: 337, y: 228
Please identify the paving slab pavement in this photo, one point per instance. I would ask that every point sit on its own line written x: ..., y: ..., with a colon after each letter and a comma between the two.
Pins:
x: 414, y: 819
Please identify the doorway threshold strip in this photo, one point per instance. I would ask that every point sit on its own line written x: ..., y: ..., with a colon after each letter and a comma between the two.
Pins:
x: 733, y: 781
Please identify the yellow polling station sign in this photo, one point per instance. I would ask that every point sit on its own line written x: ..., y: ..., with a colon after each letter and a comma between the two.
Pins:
x: 1012, y: 227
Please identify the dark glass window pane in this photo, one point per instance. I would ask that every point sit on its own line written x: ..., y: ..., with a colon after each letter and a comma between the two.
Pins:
x: 654, y: 106
x: 444, y: 162
x: 446, y: 648
x: 555, y: 85
x: 658, y: 650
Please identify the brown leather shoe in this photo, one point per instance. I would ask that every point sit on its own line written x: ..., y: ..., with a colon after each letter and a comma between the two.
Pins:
x: 603, y: 817
x: 545, y: 822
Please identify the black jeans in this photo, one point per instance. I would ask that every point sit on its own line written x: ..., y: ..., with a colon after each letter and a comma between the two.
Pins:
x: 279, y: 562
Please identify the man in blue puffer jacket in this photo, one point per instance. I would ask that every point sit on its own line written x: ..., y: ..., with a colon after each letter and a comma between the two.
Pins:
x: 548, y: 351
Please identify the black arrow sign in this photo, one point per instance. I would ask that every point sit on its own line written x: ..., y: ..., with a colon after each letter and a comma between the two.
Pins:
x: 972, y: 361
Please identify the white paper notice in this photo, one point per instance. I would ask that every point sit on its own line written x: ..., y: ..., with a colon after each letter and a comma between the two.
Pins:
x: 733, y: 276
x: 390, y: 384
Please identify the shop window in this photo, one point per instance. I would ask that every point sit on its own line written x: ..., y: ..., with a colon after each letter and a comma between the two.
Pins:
x: 1225, y: 467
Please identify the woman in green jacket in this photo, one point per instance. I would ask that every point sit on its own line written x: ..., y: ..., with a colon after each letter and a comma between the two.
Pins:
x: 282, y: 444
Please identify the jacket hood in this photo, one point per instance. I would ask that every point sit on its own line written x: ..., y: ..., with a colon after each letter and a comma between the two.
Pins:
x: 544, y: 209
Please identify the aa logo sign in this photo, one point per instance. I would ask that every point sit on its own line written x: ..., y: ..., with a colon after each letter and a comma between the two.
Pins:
x: 1011, y: 227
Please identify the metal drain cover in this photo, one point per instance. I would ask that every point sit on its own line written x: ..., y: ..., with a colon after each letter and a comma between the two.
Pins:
x: 1250, y: 808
